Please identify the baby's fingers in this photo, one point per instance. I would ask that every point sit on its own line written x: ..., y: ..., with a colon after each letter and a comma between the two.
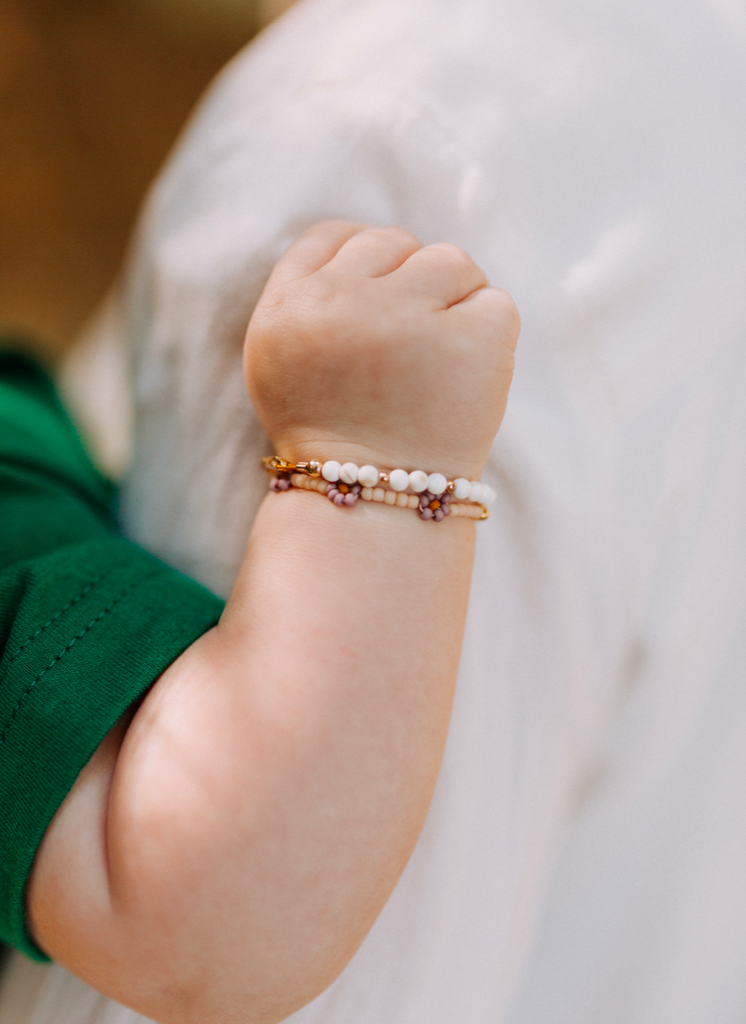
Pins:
x: 376, y: 252
x: 313, y: 249
x: 442, y: 273
x: 489, y: 310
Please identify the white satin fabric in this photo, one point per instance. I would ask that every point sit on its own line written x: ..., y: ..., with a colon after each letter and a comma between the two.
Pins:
x: 584, y: 861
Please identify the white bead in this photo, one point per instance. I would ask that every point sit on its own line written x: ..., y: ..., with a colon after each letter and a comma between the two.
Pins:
x: 348, y: 473
x: 390, y: 497
x: 330, y: 471
x: 399, y: 479
x: 436, y: 483
x: 475, y: 494
x: 367, y: 476
x: 417, y: 481
x: 462, y: 487
x: 488, y: 494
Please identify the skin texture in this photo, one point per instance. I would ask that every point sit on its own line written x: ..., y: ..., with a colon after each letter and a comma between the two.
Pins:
x: 229, y: 847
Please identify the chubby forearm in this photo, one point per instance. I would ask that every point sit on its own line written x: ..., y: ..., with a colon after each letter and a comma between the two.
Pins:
x: 270, y: 789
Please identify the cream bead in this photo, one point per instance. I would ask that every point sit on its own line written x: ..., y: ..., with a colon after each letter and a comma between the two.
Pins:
x: 436, y: 483
x: 413, y: 501
x: 417, y: 481
x: 378, y: 494
x: 389, y: 497
x: 297, y: 479
x: 402, y: 500
x: 475, y: 494
x: 367, y: 476
x: 461, y: 487
x: 348, y: 473
x: 399, y: 479
x: 367, y: 494
x: 330, y: 471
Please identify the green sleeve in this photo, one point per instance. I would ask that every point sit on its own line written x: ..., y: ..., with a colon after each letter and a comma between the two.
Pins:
x: 87, y: 622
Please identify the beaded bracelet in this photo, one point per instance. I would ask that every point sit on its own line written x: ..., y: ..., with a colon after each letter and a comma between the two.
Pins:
x: 430, y: 494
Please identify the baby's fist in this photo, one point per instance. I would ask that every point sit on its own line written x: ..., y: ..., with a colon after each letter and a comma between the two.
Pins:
x: 367, y: 346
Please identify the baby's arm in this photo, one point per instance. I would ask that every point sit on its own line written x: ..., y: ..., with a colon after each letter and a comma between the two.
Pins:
x: 222, y: 857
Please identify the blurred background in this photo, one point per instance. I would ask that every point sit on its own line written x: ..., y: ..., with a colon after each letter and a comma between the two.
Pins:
x: 92, y: 96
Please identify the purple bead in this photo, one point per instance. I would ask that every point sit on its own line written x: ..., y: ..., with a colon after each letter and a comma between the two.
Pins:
x: 438, y: 515
x: 339, y: 499
x: 426, y: 513
x: 446, y: 509
x: 350, y: 498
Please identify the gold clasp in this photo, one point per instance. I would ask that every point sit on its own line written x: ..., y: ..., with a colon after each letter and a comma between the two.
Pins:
x: 274, y: 464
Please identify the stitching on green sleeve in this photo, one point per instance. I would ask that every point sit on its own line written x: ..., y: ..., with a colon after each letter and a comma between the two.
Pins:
x: 61, y: 655
x: 86, y: 590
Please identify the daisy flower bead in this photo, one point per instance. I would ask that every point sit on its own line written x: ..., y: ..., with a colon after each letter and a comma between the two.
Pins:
x: 435, y: 506
x: 341, y: 493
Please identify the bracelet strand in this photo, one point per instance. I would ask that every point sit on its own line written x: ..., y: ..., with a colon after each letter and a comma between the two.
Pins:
x: 430, y: 494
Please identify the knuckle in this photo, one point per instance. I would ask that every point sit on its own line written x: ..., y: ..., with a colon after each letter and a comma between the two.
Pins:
x: 335, y: 224
x: 452, y: 254
x: 509, y: 311
x: 395, y: 236
x: 495, y: 310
